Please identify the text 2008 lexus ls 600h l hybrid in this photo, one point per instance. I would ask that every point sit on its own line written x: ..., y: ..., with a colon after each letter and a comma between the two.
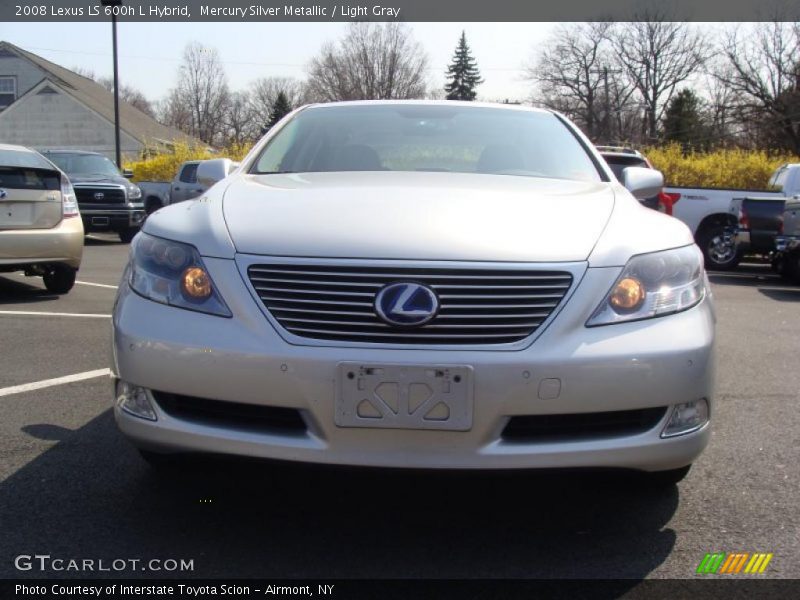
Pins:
x: 418, y: 284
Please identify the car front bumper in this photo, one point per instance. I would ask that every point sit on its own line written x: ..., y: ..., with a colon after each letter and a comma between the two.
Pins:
x: 62, y: 244
x: 103, y: 219
x: 653, y: 363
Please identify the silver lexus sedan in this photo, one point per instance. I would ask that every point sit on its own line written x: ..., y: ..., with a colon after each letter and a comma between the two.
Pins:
x: 435, y: 285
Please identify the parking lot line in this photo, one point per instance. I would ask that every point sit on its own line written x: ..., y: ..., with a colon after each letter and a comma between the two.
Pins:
x: 46, y: 383
x: 100, y: 285
x: 26, y: 313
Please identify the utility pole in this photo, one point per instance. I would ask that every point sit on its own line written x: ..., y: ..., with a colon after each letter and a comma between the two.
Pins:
x: 113, y: 4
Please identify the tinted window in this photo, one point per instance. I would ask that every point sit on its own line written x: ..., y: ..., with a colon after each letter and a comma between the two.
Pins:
x: 415, y: 137
x: 15, y: 158
x: 23, y: 178
x: 84, y: 164
x: 189, y: 173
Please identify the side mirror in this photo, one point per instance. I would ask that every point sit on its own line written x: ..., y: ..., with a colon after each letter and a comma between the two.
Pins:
x: 127, y: 173
x: 210, y: 172
x: 641, y: 182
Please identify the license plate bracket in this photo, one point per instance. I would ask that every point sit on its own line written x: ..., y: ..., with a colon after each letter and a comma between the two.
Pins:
x: 400, y: 396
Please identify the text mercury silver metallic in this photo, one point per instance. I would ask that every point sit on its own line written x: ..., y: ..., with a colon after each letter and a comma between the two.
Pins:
x: 418, y: 284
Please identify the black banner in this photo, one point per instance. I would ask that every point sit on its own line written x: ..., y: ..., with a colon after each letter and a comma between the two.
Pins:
x: 395, y: 10
x: 727, y: 588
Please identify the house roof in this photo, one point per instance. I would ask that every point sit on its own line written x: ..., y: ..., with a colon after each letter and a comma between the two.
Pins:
x: 132, y: 121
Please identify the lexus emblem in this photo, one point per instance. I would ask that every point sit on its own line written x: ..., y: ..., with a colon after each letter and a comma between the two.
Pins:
x: 406, y: 304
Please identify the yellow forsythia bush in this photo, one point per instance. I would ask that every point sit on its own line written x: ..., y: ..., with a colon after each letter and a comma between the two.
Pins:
x: 725, y: 168
x: 164, y: 166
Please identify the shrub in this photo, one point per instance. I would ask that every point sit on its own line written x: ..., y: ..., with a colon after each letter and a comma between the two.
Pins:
x: 734, y: 168
x: 164, y: 167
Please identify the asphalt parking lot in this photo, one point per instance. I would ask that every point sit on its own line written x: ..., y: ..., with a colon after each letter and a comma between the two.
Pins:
x: 71, y: 487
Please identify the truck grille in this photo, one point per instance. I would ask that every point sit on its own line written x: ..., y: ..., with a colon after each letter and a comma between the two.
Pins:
x: 476, y: 306
x: 111, y: 195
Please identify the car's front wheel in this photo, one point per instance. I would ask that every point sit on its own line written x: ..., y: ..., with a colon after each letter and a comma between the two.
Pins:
x: 59, y: 279
x: 667, y: 478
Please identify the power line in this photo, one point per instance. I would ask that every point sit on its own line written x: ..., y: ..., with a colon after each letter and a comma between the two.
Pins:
x: 228, y: 62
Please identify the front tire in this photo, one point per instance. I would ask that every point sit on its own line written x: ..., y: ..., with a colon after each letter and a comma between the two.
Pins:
x: 127, y: 235
x: 60, y: 279
x: 667, y: 478
x: 719, y: 248
x: 163, y: 463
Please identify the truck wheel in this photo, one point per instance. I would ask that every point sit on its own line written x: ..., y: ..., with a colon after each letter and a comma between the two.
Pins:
x: 152, y: 205
x: 791, y: 266
x: 59, y: 279
x: 719, y: 248
x: 126, y: 235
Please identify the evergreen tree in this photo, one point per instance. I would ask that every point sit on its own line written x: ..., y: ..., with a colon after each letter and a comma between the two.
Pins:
x: 683, y: 121
x: 280, y: 108
x: 462, y: 74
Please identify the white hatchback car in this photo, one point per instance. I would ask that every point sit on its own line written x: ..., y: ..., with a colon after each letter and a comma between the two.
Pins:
x: 418, y: 284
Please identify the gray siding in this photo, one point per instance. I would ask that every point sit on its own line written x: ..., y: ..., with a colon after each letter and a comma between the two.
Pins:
x: 27, y: 74
x: 56, y: 121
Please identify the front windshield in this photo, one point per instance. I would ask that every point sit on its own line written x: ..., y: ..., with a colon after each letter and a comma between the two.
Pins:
x: 419, y: 137
x: 85, y: 164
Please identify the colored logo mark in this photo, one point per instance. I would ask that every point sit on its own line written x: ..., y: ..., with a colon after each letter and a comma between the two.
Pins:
x: 722, y: 563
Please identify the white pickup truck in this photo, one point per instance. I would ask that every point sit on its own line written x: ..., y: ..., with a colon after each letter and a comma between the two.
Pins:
x: 712, y: 215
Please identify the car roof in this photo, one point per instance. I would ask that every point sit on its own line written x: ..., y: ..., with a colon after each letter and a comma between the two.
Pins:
x: 86, y: 152
x: 462, y: 103
x: 15, y: 148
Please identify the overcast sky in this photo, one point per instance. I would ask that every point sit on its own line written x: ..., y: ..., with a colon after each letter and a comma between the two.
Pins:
x: 150, y: 53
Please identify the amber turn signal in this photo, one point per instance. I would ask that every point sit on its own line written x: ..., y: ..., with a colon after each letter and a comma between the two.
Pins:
x: 196, y: 283
x: 628, y: 295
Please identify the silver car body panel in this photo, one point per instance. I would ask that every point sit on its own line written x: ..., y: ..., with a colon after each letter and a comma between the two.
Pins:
x: 588, y: 229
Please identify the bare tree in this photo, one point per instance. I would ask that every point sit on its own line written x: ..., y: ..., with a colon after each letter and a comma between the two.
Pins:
x: 129, y: 94
x: 264, y: 92
x: 241, y: 124
x: 657, y: 55
x: 372, y: 62
x: 764, y: 75
x: 84, y: 72
x: 199, y: 101
x: 569, y: 70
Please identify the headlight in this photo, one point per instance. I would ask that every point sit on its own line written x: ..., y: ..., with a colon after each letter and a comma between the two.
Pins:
x: 134, y: 193
x: 173, y: 273
x: 652, y: 285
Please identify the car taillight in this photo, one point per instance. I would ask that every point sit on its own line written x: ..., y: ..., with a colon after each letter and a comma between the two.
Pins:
x: 666, y: 201
x: 69, y: 202
x: 744, y: 222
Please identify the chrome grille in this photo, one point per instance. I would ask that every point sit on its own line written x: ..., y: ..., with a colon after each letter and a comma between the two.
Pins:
x: 477, y: 306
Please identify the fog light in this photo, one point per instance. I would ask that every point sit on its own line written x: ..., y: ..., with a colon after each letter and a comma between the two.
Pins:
x: 133, y: 400
x: 686, y: 417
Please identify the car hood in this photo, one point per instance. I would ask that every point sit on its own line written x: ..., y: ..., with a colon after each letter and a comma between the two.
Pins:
x: 424, y: 216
